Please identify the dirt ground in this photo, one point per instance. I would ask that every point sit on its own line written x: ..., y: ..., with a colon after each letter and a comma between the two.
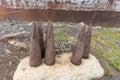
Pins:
x: 11, y: 55
x: 9, y: 62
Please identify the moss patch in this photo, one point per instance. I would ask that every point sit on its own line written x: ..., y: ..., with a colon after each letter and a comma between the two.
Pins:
x: 105, y: 42
x: 61, y: 35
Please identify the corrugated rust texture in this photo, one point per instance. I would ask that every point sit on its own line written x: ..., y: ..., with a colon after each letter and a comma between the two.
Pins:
x: 104, y: 18
x: 76, y: 5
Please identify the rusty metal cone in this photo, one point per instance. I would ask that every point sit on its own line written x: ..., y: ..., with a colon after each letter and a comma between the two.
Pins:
x: 77, y: 55
x: 87, y: 42
x: 41, y: 40
x: 35, y: 50
x: 50, y: 47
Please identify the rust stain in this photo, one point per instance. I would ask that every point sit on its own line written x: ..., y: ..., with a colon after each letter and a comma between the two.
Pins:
x: 76, y: 5
x: 105, y: 18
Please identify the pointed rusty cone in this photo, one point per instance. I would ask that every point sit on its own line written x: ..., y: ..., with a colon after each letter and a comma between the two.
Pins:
x: 41, y: 42
x: 35, y: 50
x: 50, y: 47
x: 87, y: 42
x: 78, y: 52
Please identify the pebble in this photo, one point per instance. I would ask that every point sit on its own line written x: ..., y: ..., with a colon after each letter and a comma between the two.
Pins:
x: 21, y: 29
x: 29, y: 24
x: 11, y: 41
x: 8, y: 51
x: 3, y: 56
x: 10, y: 63
x: 21, y: 45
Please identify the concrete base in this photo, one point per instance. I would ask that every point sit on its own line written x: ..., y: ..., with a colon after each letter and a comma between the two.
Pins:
x: 62, y: 70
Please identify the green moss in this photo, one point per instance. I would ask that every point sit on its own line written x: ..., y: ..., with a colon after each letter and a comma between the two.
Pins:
x: 21, y: 48
x: 61, y: 35
x: 104, y: 44
x: 109, y: 72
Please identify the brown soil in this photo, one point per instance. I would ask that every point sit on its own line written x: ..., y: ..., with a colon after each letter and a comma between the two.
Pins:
x: 9, y: 63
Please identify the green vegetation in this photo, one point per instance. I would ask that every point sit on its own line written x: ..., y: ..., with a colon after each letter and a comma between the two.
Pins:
x: 61, y: 35
x: 109, y: 72
x: 106, y: 43
x: 21, y: 48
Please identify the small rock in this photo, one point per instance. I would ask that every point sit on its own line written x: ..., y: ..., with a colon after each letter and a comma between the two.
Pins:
x: 10, y: 63
x: 21, y: 29
x: 62, y: 70
x: 8, y: 51
x: 11, y: 41
x: 71, y: 38
x: 21, y: 45
x: 29, y: 24
x: 79, y: 25
x: 97, y: 27
x: 11, y: 73
x: 3, y: 56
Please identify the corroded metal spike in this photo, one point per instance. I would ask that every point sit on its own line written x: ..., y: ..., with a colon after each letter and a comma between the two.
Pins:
x: 50, y: 47
x: 35, y: 50
x: 41, y: 40
x: 87, y: 42
x: 78, y: 52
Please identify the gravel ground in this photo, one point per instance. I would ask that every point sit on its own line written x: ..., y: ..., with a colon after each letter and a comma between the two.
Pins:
x: 11, y: 55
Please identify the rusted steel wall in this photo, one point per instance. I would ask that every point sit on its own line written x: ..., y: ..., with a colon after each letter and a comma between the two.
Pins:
x: 76, y: 5
x: 105, y: 18
x: 101, y: 12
